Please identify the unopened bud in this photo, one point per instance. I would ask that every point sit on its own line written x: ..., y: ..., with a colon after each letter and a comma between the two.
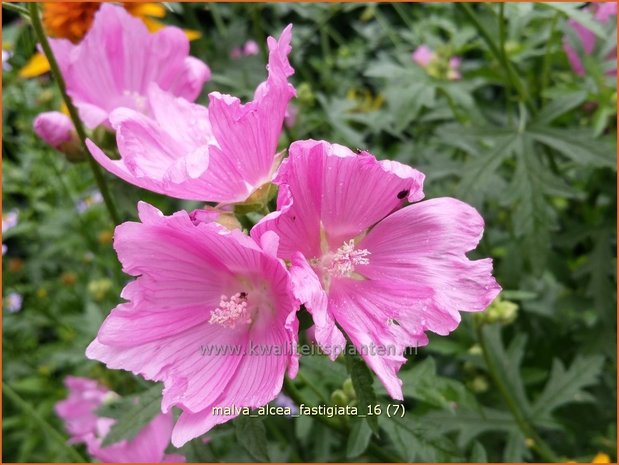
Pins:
x: 221, y: 215
x: 349, y: 389
x: 338, y: 397
x: 57, y: 131
x: 500, y: 311
x: 99, y: 288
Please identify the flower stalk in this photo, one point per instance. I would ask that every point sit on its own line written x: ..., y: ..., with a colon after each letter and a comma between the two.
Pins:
x: 79, y: 128
x: 537, y: 443
x: 17, y: 400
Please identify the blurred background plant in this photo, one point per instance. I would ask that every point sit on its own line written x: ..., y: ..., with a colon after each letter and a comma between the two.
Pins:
x: 480, y: 97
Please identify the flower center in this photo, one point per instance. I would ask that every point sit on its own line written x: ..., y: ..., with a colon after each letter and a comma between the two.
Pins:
x: 232, y: 311
x: 341, y: 263
x: 344, y: 260
x: 137, y: 99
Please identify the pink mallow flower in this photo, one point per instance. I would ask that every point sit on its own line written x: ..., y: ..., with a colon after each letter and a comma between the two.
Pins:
x: 249, y: 48
x: 423, y: 55
x: 113, y: 66
x: 78, y: 412
x: 361, y: 258
x: 54, y: 128
x: 211, y: 314
x: 602, y: 13
x: 220, y: 154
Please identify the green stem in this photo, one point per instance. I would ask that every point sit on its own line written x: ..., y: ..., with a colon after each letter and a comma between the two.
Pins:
x: 217, y: 19
x: 34, y: 415
x: 259, y: 32
x: 400, y: 11
x: 539, y: 445
x: 16, y: 8
x: 499, y: 54
x: 384, y: 24
x: 462, y: 119
x: 546, y: 63
x: 311, y: 385
x: 77, y: 123
x: 291, y: 391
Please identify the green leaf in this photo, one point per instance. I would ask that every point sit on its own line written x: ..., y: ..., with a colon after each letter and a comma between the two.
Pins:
x: 144, y: 408
x: 478, y: 171
x: 516, y: 449
x: 507, y: 362
x: 471, y: 423
x: 358, y: 439
x: 478, y: 453
x: 362, y: 382
x: 578, y: 145
x: 422, y: 383
x: 251, y: 434
x: 567, y: 386
x: 416, y: 440
x: 559, y: 106
x: 532, y: 218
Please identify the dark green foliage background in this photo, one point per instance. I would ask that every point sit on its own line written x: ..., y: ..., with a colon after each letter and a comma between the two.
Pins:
x: 523, y: 139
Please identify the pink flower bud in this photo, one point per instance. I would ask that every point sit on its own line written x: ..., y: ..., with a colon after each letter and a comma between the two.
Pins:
x: 54, y: 128
x: 251, y: 48
x: 423, y: 55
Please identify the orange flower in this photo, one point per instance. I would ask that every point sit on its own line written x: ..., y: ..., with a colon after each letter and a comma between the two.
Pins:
x: 68, y: 20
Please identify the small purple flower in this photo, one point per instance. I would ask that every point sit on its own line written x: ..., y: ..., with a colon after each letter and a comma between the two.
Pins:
x: 93, y: 198
x: 10, y: 220
x: 14, y: 302
x: 6, y: 56
x: 282, y: 400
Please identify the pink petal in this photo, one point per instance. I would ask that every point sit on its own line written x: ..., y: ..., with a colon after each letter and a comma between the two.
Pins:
x: 426, y: 243
x: 222, y: 154
x: 247, y: 134
x: 257, y: 381
x: 605, y: 10
x: 388, y: 315
x: 147, y: 447
x: 78, y: 409
x: 118, y: 59
x: 165, y: 333
x: 337, y: 190
x: 308, y: 289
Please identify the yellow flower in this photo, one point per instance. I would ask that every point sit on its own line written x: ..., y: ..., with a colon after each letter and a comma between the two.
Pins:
x: 71, y: 20
x: 601, y: 457
x: 36, y: 66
